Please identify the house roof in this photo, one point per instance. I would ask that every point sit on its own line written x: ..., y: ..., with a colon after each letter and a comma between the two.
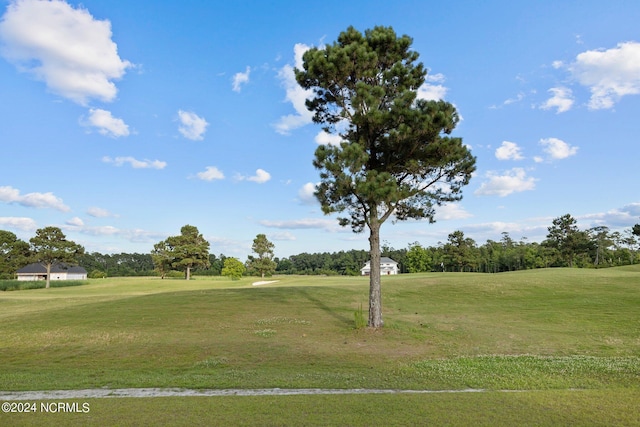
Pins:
x: 38, y: 268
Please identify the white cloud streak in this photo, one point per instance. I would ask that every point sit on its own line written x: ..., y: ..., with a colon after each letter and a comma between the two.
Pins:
x: 135, y: 163
x: 192, y: 126
x: 75, y: 222
x: 451, y: 211
x: 18, y: 223
x: 512, y: 181
x: 294, y: 94
x: 97, y: 212
x: 65, y: 47
x: 32, y: 200
x: 282, y: 236
x: 306, y: 223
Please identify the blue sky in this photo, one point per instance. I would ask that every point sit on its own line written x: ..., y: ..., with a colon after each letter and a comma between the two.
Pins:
x: 123, y: 121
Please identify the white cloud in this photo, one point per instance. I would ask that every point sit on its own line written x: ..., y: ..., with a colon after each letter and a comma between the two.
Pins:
x: 512, y: 181
x: 106, y: 123
x: 562, y: 100
x: 260, y: 177
x: 432, y: 92
x: 632, y: 209
x: 519, y: 97
x: 18, y: 223
x: 451, y: 211
x: 306, y: 223
x: 294, y: 94
x: 192, y: 127
x: 509, y: 151
x: 609, y: 74
x: 211, y: 173
x: 283, y: 236
x: 32, y: 200
x: 558, y: 149
x: 306, y: 194
x: 324, y: 138
x: 135, y: 163
x: 65, y: 47
x: 133, y: 235
x: 99, y: 212
x: 75, y: 222
x: 626, y: 216
x: 299, y: 50
x: 241, y: 78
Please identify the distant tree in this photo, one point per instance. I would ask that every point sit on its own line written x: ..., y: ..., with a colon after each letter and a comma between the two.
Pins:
x: 636, y: 230
x: 565, y: 236
x: 602, y: 240
x: 50, y: 246
x: 395, y: 157
x: 162, y: 257
x: 264, y: 263
x: 459, y: 251
x: 189, y: 250
x: 14, y: 254
x: 418, y: 259
x: 233, y: 268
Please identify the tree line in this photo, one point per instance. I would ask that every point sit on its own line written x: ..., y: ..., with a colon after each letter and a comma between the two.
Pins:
x: 188, y: 254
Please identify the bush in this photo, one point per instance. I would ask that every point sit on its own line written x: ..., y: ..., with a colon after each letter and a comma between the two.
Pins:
x: 97, y: 274
x: 16, y: 285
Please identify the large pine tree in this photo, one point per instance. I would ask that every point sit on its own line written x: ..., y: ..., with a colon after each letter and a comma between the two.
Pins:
x: 396, y: 156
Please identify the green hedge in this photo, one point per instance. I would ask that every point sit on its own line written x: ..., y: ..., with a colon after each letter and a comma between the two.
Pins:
x: 15, y: 285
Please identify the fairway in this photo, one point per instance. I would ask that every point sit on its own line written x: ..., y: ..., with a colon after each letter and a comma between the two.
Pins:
x: 566, y: 337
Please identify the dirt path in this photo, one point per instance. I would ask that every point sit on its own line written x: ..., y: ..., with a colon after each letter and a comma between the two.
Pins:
x: 173, y: 392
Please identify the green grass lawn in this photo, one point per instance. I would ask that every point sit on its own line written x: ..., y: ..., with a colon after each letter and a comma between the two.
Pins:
x: 549, y: 330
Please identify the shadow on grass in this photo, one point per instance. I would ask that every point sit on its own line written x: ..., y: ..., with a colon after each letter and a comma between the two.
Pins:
x: 348, y: 321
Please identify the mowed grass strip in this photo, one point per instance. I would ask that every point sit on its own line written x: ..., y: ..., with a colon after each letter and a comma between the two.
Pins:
x: 614, y: 407
x: 541, y: 329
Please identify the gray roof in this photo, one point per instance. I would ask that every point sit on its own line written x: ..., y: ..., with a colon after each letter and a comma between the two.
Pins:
x: 38, y: 268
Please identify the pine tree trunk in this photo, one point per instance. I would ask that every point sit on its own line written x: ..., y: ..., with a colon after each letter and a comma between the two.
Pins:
x: 188, y: 272
x: 375, y: 297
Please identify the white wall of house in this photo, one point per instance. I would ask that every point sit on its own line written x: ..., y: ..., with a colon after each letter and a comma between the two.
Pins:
x: 32, y: 277
x: 386, y: 268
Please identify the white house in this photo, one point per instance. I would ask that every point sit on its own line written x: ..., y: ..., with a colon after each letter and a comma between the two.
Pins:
x: 37, y: 271
x: 387, y: 266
